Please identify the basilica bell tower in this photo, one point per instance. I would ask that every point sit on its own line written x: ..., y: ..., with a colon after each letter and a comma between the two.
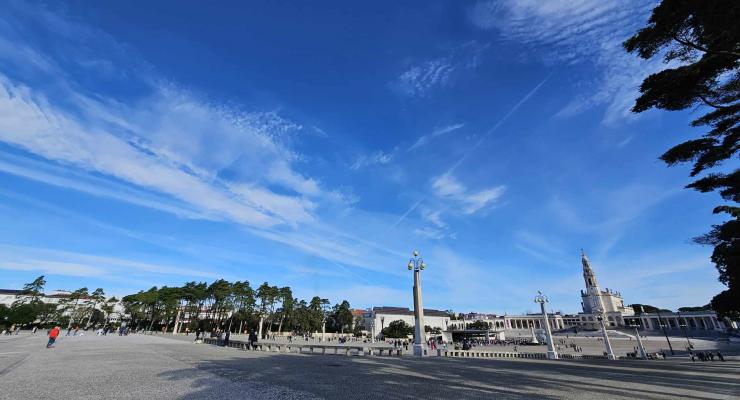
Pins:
x: 591, y: 298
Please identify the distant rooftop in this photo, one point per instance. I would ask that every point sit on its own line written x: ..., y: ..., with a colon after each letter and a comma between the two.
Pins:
x: 406, y: 311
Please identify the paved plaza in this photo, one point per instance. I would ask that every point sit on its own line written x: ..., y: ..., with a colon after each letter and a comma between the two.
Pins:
x: 157, y: 367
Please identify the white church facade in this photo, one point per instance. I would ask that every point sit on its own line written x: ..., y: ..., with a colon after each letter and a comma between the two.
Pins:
x: 595, y: 302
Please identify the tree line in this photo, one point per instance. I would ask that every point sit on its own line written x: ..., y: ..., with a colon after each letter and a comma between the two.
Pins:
x: 80, y: 308
x: 233, y: 306
x: 236, y: 307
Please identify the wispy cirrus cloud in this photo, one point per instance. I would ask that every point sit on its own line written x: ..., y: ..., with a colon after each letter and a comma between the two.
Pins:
x: 448, y: 187
x: 379, y: 157
x: 51, y: 261
x: 422, y: 78
x: 30, y: 121
x: 574, y: 32
x: 429, y: 233
x: 164, y: 148
x: 425, y: 139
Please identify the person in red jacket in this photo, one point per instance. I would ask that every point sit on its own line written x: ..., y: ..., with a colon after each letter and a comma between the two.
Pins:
x: 53, y: 333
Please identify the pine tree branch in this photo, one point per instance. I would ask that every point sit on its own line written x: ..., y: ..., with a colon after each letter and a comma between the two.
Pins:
x: 711, y: 104
x: 704, y: 49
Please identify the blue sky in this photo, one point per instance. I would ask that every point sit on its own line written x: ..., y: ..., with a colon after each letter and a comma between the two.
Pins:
x: 154, y: 143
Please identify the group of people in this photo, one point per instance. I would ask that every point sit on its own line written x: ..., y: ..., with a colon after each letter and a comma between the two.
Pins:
x: 103, y: 331
x: 16, y: 329
x: 13, y: 330
x: 398, y: 343
x: 572, y: 345
x: 434, y: 344
x: 705, y: 356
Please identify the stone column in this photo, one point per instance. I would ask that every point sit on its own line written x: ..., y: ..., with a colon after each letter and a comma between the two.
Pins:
x: 551, y: 353
x: 175, y: 329
x: 419, y: 336
x: 639, y: 344
x: 323, y: 330
x: 609, y: 352
x: 259, y: 328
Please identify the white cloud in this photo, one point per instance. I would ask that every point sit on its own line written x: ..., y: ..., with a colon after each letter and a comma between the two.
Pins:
x: 56, y: 262
x: 421, y: 79
x: 429, y: 233
x: 173, y: 150
x: 425, y: 139
x: 435, y: 217
x: 379, y: 157
x: 446, y: 186
x: 178, y: 151
x: 319, y: 132
x: 573, y: 32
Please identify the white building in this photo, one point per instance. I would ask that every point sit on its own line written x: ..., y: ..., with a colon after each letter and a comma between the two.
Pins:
x: 617, y: 314
x: 509, y: 322
x: 380, y: 317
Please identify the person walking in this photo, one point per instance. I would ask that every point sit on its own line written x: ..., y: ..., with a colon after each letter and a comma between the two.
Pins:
x: 226, y: 338
x: 720, y: 356
x: 252, y: 339
x: 53, y: 334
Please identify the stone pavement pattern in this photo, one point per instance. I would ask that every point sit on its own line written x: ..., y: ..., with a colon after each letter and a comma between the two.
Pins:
x: 155, y: 367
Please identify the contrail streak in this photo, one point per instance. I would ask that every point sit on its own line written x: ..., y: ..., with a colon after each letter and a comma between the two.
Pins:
x: 478, y: 143
x: 406, y: 214
x: 497, y: 125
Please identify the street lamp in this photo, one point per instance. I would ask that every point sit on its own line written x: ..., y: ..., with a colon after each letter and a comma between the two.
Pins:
x: 600, y: 316
x: 682, y: 323
x: 417, y: 264
x: 372, y: 330
x: 324, y: 312
x: 259, y: 328
x: 639, y: 340
x: 662, y: 326
x: 542, y: 299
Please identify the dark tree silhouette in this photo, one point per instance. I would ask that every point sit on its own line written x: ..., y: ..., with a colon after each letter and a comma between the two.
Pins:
x: 703, y: 39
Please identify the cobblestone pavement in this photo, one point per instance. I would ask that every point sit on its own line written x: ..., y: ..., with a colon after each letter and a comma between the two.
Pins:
x: 156, y: 367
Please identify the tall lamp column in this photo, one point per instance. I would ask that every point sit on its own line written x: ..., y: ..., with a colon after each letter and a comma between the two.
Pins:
x: 542, y: 299
x: 416, y: 263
